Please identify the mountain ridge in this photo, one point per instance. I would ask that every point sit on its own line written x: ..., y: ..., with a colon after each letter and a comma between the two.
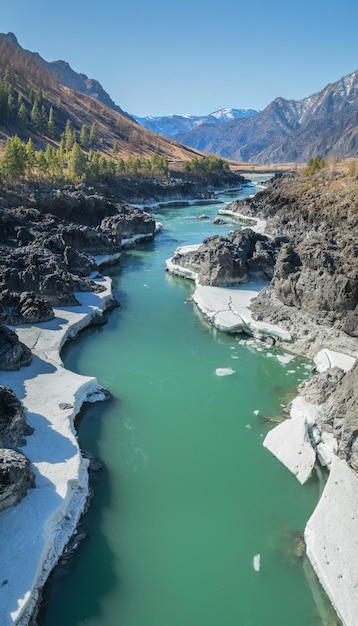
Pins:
x: 118, y: 134
x: 172, y: 125
x: 62, y: 72
x: 288, y: 130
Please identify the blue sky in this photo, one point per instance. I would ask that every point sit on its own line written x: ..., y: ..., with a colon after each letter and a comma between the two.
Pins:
x: 157, y: 58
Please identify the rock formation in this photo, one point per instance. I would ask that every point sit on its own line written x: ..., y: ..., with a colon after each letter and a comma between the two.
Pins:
x: 13, y: 353
x: 16, y: 477
x: 242, y: 256
x: 48, y: 245
x: 315, y: 281
x: 13, y: 424
x: 335, y: 393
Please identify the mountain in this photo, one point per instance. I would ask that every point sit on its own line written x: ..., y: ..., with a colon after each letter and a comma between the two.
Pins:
x: 84, y: 105
x: 288, y: 130
x: 63, y: 73
x: 172, y: 125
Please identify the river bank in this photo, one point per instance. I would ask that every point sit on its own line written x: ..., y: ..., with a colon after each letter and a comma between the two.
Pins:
x: 304, y: 439
x: 35, y: 531
x: 41, y: 524
x: 62, y: 409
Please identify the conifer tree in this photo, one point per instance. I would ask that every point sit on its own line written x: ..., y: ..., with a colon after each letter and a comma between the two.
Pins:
x: 30, y: 157
x: 21, y: 112
x: 43, y: 119
x: 41, y: 162
x: 15, y: 158
x: 51, y: 125
x: 76, y: 162
x: 36, y: 116
x: 69, y: 136
x: 93, y: 134
x: 84, y: 137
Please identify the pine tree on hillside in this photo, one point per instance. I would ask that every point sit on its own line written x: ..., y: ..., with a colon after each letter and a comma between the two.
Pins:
x: 93, y: 134
x: 51, y: 125
x: 14, y: 159
x: 22, y: 116
x: 36, y: 116
x: 30, y: 157
x: 84, y: 137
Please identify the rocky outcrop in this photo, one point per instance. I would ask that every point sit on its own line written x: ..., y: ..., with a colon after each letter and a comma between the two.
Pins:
x: 13, y: 353
x: 16, y: 477
x: 48, y: 248
x: 240, y: 257
x: 13, y: 426
x: 320, y: 279
x: 23, y: 308
x: 316, y: 273
x: 335, y: 392
x: 129, y: 223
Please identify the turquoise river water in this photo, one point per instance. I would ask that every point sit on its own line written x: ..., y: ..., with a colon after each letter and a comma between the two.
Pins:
x: 188, y: 495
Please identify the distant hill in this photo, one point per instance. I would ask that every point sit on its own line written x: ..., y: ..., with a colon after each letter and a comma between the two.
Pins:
x: 84, y: 103
x: 288, y: 130
x: 173, y: 125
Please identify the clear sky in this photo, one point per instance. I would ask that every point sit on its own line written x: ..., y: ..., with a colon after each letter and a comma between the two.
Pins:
x: 193, y: 56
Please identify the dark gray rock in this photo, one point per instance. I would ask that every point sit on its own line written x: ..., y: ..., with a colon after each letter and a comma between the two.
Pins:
x: 319, y: 279
x: 24, y: 308
x: 127, y: 223
x: 16, y: 477
x: 13, y: 426
x: 336, y: 393
x: 341, y: 410
x: 242, y: 256
x: 13, y: 353
x: 87, y: 239
x: 49, y: 249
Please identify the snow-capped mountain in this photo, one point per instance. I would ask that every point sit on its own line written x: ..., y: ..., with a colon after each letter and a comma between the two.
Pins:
x: 288, y: 130
x: 172, y: 125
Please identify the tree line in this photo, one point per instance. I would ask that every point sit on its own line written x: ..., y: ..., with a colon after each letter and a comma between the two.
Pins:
x: 69, y: 162
x: 206, y: 167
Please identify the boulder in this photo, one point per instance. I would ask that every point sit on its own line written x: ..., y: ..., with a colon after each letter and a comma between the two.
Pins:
x: 13, y: 353
x: 16, y: 477
x: 242, y: 256
x: 13, y: 426
x: 24, y: 308
x: 126, y: 224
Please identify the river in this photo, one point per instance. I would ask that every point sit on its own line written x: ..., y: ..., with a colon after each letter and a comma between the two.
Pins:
x: 188, y: 495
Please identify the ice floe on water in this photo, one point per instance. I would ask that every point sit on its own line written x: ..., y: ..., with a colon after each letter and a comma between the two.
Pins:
x: 256, y: 562
x: 224, y: 371
x: 328, y: 358
x: 285, y: 358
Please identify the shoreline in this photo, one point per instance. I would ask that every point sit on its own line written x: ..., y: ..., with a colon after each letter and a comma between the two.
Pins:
x: 331, y: 533
x: 44, y: 521
x: 72, y: 391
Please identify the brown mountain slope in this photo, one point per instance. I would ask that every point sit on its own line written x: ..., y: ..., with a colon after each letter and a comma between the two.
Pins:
x: 29, y: 75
